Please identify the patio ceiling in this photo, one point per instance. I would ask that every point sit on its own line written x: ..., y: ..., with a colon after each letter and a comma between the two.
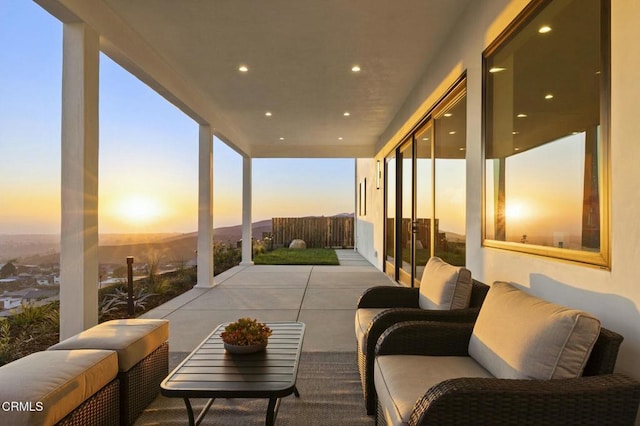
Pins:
x: 299, y: 56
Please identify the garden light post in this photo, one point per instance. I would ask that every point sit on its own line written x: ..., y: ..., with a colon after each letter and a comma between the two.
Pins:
x: 130, y: 285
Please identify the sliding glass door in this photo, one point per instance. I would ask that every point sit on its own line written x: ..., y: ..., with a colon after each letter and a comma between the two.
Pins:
x: 406, y: 231
x: 425, y: 193
x: 424, y: 198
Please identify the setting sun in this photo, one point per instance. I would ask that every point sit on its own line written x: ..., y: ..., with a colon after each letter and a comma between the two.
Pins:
x: 139, y: 209
x: 516, y: 211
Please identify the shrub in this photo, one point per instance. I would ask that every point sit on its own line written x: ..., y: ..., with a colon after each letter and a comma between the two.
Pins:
x: 113, y: 302
x: 245, y: 332
x: 30, y: 314
x: 225, y: 257
x: 5, y: 342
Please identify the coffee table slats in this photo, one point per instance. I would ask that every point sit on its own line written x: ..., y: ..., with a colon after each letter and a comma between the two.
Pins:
x: 256, y: 369
x: 209, y: 371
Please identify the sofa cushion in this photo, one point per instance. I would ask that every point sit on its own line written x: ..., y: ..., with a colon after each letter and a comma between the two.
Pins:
x: 364, y: 316
x: 520, y: 336
x: 54, y: 383
x: 132, y: 339
x: 444, y: 286
x: 401, y: 379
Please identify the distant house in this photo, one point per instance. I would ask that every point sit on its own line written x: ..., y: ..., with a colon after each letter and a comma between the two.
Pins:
x: 43, y: 281
x: 39, y: 294
x: 9, y: 302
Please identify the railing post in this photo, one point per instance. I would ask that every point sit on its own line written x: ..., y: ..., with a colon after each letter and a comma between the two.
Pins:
x: 130, y: 310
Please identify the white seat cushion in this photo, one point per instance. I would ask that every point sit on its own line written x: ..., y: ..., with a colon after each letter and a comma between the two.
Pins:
x: 132, y: 339
x: 57, y: 380
x: 364, y: 316
x: 401, y: 379
x: 444, y: 286
x: 520, y: 336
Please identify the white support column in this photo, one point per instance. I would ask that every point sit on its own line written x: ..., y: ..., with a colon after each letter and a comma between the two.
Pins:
x: 79, y: 274
x: 247, y: 241
x: 205, y: 208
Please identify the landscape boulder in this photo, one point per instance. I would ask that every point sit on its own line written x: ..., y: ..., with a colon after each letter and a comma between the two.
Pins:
x: 298, y: 244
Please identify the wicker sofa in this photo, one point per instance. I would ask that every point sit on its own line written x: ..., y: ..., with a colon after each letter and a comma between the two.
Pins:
x: 462, y: 373
x: 381, y: 307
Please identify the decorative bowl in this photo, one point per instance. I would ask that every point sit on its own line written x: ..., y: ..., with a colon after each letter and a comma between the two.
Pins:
x: 244, y: 349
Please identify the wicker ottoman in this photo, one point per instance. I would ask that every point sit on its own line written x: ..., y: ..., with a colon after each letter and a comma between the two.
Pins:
x: 143, y: 358
x: 76, y: 387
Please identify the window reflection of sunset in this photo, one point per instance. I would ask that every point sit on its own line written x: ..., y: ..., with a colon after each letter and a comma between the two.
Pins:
x: 531, y: 208
x: 517, y: 210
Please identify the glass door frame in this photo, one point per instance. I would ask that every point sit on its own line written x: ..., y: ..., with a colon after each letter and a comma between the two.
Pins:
x: 394, y: 269
x: 402, y: 227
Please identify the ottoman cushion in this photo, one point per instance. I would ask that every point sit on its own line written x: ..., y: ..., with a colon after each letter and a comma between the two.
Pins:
x: 132, y: 339
x: 54, y: 383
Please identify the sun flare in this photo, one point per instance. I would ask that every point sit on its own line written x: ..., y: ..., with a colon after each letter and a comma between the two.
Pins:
x: 139, y: 209
x: 516, y: 211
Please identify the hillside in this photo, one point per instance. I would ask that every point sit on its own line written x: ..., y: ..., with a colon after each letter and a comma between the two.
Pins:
x: 180, y: 248
x: 172, y: 248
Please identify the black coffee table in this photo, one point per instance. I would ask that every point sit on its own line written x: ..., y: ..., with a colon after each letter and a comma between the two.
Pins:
x: 211, y: 372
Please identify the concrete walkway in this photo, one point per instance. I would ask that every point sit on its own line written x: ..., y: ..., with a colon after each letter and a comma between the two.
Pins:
x: 323, y: 297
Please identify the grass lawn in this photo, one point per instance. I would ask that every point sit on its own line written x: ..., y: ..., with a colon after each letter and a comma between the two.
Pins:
x: 286, y: 256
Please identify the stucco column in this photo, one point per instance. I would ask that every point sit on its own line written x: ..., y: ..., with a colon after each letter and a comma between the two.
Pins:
x: 205, y: 208
x: 247, y: 242
x: 79, y: 274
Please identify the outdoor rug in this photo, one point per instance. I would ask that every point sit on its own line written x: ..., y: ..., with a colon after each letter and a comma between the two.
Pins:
x: 330, y: 395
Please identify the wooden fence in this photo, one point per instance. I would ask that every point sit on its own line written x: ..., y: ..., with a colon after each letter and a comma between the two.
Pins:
x: 317, y: 232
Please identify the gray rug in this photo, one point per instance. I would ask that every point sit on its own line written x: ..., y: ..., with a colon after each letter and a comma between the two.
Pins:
x: 330, y: 395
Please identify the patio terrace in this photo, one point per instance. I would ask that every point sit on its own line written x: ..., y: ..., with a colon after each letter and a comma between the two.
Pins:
x: 323, y: 297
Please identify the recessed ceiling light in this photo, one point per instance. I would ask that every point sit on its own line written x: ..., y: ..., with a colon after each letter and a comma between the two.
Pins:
x: 448, y: 114
x: 268, y: 114
x: 355, y: 68
x: 544, y: 29
x: 281, y: 138
x: 516, y: 149
x: 496, y: 69
x: 461, y: 149
x: 347, y: 114
x: 548, y: 96
x: 340, y: 138
x: 575, y: 133
x: 243, y: 68
x: 453, y: 132
x: 522, y: 115
x: 425, y: 139
x: 515, y: 133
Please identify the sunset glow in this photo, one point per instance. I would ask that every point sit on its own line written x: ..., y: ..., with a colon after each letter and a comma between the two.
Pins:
x: 139, y: 209
x: 516, y: 211
x: 148, y: 164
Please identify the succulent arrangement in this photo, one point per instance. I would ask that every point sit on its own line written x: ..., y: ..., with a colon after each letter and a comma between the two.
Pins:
x: 246, y: 332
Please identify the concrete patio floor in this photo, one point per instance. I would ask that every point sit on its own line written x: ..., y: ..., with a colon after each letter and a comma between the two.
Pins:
x: 322, y: 297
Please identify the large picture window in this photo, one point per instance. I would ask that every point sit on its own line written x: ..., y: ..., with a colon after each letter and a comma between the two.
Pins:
x: 546, y: 115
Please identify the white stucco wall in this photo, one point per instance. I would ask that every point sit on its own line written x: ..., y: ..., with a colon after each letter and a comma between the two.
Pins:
x: 612, y: 295
x: 369, y: 237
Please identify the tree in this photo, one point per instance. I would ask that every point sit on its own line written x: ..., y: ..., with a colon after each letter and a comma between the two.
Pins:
x: 8, y: 269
